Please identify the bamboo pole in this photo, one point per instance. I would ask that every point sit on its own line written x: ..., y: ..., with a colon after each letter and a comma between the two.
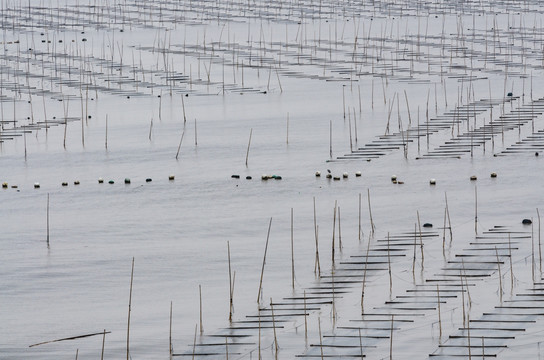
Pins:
x: 264, y: 261
x: 500, y: 274
x: 439, y: 315
x: 364, y: 278
x: 360, y: 230
x: 230, y: 284
x: 183, y: 106
x: 475, y: 209
x: 421, y: 242
x: 372, y: 227
x: 276, y: 346
x: 47, y: 220
x: 305, y: 318
x: 103, y: 344
x: 106, y: 137
x: 333, y: 231
x: 248, y: 145
x: 539, y: 243
x: 391, y: 338
x: 180, y: 141
x: 170, y: 349
x: 292, y: 254
x: 200, y: 298
x: 194, y: 343
x: 129, y: 309
x: 389, y: 266
x: 317, y: 266
x: 320, y: 337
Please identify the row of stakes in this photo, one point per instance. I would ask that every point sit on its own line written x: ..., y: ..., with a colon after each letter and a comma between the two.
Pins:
x: 5, y: 185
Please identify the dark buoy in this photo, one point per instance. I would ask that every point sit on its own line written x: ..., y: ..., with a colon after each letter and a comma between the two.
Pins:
x: 427, y: 225
x: 148, y: 180
x: 111, y: 182
x: 526, y: 222
x: 277, y: 177
x: 235, y: 176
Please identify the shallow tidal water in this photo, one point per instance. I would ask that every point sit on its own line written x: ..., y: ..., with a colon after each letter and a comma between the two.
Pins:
x: 312, y: 79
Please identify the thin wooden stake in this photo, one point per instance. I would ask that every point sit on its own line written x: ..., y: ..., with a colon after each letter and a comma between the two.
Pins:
x: 391, y: 338
x: 317, y: 266
x: 330, y: 139
x: 170, y: 348
x: 194, y: 343
x: 230, y: 284
x: 305, y: 318
x: 292, y: 254
x: 415, y: 253
x: 475, y: 209
x: 103, y: 344
x: 48, y: 220
x: 200, y: 298
x: 276, y: 346
x: 360, y: 230
x: 421, y: 242
x: 264, y: 261
x: 320, y: 338
x: 539, y: 243
x: 439, y: 315
x: 511, y: 267
x: 500, y: 274
x: 339, y: 231
x: 129, y: 309
x: 372, y: 227
x: 389, y: 266
x: 180, y: 141
x: 248, y: 145
x: 196, y: 141
x: 364, y: 278
x: 106, y: 137
x: 333, y: 231
x: 462, y: 297
x: 183, y: 105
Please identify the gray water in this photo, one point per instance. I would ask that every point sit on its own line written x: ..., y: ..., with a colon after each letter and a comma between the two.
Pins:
x: 177, y: 230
